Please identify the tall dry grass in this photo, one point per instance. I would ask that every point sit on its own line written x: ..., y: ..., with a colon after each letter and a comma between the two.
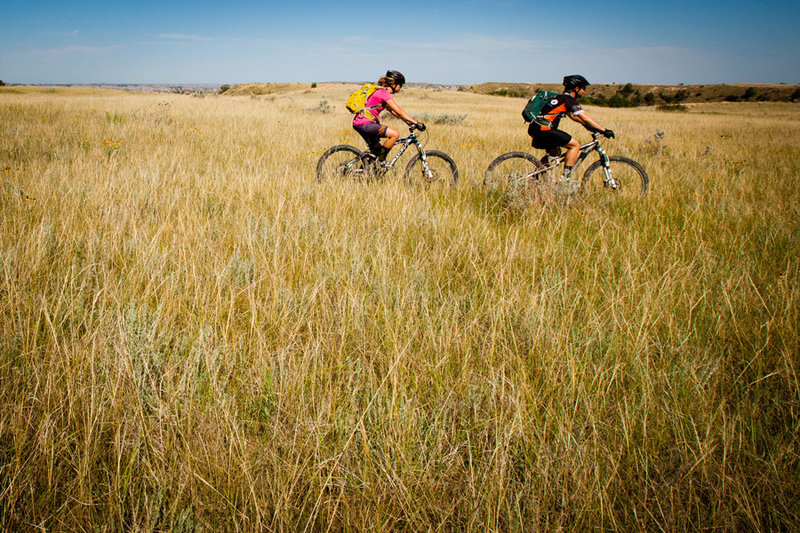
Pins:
x: 194, y: 334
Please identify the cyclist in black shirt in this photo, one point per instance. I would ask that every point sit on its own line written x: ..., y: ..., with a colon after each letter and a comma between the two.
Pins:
x: 545, y: 132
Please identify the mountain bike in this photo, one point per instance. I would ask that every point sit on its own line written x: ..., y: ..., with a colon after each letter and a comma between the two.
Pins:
x: 619, y: 175
x: 427, y: 166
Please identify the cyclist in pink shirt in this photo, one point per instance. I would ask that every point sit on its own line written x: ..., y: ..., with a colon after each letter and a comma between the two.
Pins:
x: 367, y: 124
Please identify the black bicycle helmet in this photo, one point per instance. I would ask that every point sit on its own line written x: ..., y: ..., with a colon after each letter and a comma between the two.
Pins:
x: 575, y: 81
x: 396, y: 76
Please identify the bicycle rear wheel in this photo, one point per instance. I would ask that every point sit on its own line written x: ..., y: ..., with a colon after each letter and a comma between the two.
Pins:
x: 342, y: 161
x: 513, y: 171
x: 630, y: 178
x: 443, y: 169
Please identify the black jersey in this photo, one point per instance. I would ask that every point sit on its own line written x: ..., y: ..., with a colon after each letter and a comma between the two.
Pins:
x: 557, y: 107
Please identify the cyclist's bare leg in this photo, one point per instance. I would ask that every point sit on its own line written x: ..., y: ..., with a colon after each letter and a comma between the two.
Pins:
x: 391, y: 137
x: 551, y: 153
x: 570, y: 158
x: 573, y: 149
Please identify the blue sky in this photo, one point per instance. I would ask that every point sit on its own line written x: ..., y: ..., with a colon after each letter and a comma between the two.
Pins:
x: 435, y: 41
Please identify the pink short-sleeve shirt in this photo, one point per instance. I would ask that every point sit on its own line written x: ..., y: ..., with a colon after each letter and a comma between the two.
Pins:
x: 379, y: 98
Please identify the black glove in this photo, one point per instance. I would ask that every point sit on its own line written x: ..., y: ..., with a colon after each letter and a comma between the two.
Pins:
x: 608, y: 134
x: 420, y: 126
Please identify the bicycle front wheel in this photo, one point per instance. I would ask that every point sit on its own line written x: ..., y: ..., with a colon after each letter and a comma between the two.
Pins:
x: 443, y: 171
x: 513, y: 171
x: 630, y: 179
x: 342, y: 161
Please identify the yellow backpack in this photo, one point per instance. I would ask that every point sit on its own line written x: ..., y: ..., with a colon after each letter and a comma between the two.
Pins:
x: 357, y: 101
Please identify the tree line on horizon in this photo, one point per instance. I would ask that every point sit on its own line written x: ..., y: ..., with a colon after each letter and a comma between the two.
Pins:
x: 630, y: 95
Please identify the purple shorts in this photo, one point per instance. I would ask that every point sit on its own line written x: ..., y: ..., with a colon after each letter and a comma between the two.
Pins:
x: 371, y: 132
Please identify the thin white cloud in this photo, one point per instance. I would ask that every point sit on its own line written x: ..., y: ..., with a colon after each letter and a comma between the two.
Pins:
x: 77, y: 48
x: 182, y: 37
x: 73, y: 33
x: 465, y: 46
x: 69, y: 50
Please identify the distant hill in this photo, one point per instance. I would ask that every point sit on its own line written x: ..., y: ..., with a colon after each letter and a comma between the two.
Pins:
x: 138, y: 87
x: 614, y: 95
x: 244, y: 89
x: 633, y: 94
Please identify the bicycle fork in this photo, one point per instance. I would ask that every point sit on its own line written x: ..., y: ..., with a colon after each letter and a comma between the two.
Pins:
x: 605, y: 161
x: 426, y: 169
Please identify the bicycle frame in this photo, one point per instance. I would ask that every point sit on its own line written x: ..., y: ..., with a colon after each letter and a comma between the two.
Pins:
x: 585, y: 150
x: 404, y: 143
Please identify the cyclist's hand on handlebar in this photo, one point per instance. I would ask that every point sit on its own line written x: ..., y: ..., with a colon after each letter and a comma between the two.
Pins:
x: 609, y: 134
x: 420, y: 126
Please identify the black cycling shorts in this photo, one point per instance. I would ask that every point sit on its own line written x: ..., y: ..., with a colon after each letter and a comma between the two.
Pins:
x: 371, y: 132
x: 548, y: 139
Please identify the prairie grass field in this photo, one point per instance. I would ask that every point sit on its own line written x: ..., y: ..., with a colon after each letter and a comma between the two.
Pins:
x: 195, y: 334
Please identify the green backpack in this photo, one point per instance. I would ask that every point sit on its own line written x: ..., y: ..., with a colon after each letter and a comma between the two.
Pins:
x: 357, y: 101
x: 533, y: 109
